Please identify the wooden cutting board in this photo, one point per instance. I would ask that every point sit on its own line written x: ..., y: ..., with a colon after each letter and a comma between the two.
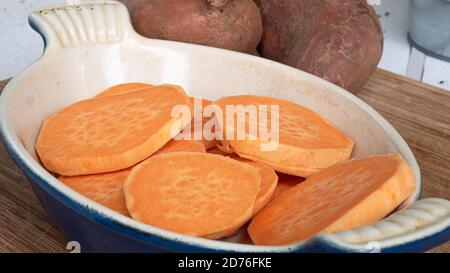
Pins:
x: 420, y: 112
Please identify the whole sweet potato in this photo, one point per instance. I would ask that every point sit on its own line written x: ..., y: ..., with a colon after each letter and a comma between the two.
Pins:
x: 338, y: 40
x: 229, y: 24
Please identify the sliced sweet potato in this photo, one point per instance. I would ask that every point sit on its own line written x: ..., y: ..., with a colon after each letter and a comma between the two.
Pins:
x: 307, y: 142
x: 268, y: 183
x: 196, y: 194
x: 344, y: 196
x: 204, y: 104
x: 218, y: 151
x: 182, y: 146
x: 286, y: 182
x: 198, y: 116
x: 110, y: 133
x: 198, y: 123
x: 136, y: 86
x: 125, y: 88
x: 105, y: 188
x: 269, y: 180
x: 287, y: 168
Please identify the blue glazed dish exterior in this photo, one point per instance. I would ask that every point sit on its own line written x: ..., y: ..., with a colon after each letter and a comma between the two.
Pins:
x: 97, y: 233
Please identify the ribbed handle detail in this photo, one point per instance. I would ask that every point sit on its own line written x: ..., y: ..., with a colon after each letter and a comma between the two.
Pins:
x: 90, y: 22
x: 416, y: 221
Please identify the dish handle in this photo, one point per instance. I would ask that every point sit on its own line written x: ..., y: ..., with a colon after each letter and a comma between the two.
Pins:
x: 82, y: 23
x: 419, y: 227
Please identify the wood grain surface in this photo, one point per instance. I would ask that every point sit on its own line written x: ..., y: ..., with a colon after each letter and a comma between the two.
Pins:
x: 420, y: 112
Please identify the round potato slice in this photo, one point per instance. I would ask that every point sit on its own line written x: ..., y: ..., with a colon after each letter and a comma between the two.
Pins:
x: 107, y: 188
x: 110, y: 133
x: 306, y: 142
x: 269, y: 180
x: 104, y: 188
x: 197, y: 194
x: 344, y: 196
x: 268, y: 184
x: 199, y: 121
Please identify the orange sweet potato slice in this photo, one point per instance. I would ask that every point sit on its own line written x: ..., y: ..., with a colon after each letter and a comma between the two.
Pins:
x: 216, y: 150
x: 199, y: 121
x: 268, y: 183
x: 125, y: 88
x: 172, y: 146
x: 110, y: 133
x: 204, y: 102
x: 269, y: 180
x: 286, y: 168
x: 286, y: 182
x: 182, y: 146
x: 105, y: 188
x: 130, y: 87
x: 307, y: 142
x: 197, y: 194
x: 344, y: 196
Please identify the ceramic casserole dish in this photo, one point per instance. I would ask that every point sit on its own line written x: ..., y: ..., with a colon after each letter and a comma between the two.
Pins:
x: 92, y: 46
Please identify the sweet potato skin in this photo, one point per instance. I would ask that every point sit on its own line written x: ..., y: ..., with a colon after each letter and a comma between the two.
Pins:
x: 233, y: 24
x: 338, y: 40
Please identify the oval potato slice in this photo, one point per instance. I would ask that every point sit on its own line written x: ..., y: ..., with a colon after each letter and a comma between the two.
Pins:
x: 105, y: 188
x: 197, y: 194
x: 307, y: 143
x: 344, y: 196
x: 110, y: 133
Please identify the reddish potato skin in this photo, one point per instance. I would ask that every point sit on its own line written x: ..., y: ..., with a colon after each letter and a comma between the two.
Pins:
x: 338, y: 40
x: 233, y: 24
